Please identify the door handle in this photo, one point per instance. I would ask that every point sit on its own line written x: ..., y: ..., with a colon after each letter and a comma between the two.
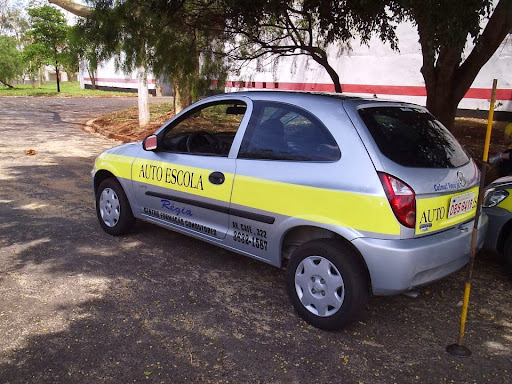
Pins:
x: 216, y: 177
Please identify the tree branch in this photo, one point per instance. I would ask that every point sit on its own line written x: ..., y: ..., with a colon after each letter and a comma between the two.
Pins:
x: 498, y: 27
x: 74, y: 8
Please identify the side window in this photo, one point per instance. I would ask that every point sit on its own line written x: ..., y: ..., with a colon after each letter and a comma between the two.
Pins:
x: 206, y: 130
x: 280, y: 131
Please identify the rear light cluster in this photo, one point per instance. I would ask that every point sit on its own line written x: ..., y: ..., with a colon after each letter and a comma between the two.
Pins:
x: 402, y: 199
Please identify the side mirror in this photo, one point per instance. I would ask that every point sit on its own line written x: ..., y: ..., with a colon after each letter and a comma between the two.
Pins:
x: 150, y: 143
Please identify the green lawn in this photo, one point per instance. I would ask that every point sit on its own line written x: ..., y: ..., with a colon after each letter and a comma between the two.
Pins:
x: 50, y: 89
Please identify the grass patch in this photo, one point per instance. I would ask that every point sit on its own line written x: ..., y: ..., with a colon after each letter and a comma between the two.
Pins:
x: 67, y: 89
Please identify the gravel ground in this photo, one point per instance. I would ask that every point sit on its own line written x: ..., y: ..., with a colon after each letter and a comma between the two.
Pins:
x: 79, y: 306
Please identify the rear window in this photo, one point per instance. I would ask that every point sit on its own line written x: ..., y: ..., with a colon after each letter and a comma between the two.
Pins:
x: 413, y: 138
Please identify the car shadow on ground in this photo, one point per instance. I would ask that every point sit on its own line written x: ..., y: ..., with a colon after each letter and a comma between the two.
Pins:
x: 81, y: 306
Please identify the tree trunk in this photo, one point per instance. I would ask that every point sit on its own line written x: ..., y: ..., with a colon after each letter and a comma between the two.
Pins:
x: 57, y: 75
x: 322, y: 60
x: 441, y: 84
x: 182, y: 97
x: 6, y: 84
x: 448, y: 77
x: 442, y: 103
x: 178, y: 95
x: 92, y: 76
x: 334, y: 77
x: 143, y: 96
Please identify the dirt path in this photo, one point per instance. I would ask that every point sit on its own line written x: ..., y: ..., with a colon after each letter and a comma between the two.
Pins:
x: 79, y: 306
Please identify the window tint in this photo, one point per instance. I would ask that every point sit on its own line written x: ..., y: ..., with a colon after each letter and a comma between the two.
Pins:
x: 413, y: 138
x: 279, y: 131
x: 206, y: 130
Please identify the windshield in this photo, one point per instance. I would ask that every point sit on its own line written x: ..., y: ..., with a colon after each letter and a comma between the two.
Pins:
x: 413, y: 138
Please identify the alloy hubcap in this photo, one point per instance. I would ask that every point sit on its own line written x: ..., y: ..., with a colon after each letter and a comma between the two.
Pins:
x: 109, y: 206
x: 319, y: 286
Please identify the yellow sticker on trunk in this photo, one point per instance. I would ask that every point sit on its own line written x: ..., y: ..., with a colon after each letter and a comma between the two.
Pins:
x: 440, y: 212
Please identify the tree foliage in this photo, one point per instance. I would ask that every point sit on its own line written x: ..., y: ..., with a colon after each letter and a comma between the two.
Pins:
x: 82, y: 48
x: 161, y: 35
x: 13, y: 23
x: 49, y: 31
x: 69, y: 59
x: 449, y: 67
x: 34, y: 58
x: 263, y: 28
x: 9, y: 60
x: 308, y: 27
x: 182, y: 38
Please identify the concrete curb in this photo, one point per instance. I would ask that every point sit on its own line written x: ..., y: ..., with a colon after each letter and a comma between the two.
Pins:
x: 91, y: 127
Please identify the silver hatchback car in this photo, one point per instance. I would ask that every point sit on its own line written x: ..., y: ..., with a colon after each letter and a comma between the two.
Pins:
x: 353, y: 196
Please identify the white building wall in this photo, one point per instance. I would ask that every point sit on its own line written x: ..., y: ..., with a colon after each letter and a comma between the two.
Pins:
x: 49, y: 74
x: 375, y: 71
x: 378, y: 71
x: 108, y: 77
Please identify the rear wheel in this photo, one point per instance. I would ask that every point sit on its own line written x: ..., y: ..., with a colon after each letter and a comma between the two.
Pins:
x: 327, y: 283
x: 112, y: 208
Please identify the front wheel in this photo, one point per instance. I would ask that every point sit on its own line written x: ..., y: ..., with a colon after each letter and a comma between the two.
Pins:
x: 112, y: 208
x: 327, y: 283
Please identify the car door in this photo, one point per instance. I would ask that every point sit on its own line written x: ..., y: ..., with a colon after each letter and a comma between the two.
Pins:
x: 186, y: 182
x: 284, y: 156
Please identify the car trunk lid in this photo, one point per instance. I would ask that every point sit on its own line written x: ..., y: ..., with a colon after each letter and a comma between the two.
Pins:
x: 406, y: 142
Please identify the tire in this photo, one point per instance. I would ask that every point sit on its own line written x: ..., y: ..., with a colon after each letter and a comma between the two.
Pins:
x: 327, y: 284
x: 113, y: 209
x: 507, y: 252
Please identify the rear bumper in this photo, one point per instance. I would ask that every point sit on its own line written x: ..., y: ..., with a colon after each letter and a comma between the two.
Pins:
x: 396, y: 266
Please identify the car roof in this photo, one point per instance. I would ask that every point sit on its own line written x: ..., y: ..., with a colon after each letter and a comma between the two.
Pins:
x: 286, y: 94
x: 296, y: 96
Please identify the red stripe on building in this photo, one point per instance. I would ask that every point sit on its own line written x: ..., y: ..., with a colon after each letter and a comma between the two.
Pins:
x: 399, y: 90
x: 484, y: 93
x: 112, y: 80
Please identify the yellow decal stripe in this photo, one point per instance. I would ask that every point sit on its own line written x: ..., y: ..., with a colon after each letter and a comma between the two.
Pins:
x: 363, y: 212
x: 120, y: 166
x: 181, y: 178
x: 167, y: 175
x: 432, y: 213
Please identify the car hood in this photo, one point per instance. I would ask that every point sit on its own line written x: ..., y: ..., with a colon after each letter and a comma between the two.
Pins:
x: 129, y: 149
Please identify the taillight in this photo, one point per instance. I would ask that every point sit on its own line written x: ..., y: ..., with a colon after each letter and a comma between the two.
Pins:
x: 402, y: 199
